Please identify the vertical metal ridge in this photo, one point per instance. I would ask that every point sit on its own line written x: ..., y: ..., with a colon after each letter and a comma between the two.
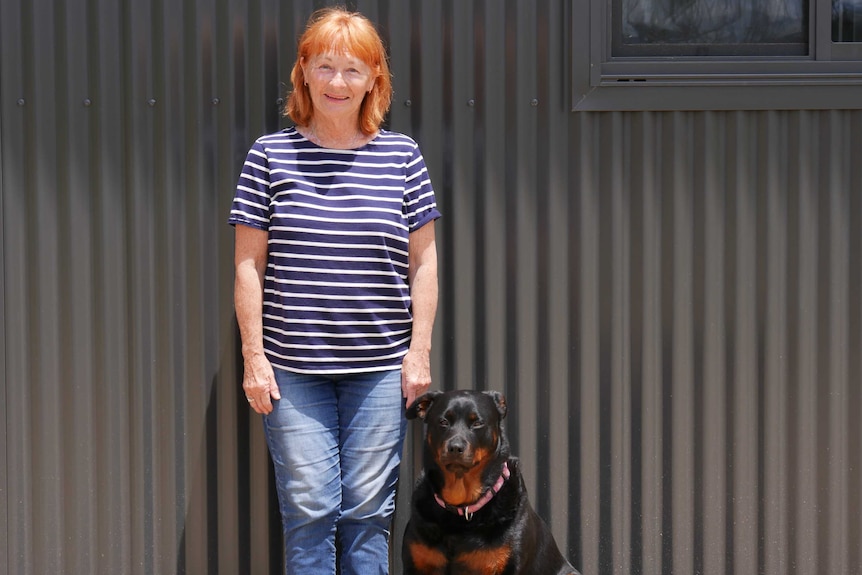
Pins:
x: 525, y: 278
x: 822, y: 346
x: 854, y: 314
x: 544, y: 386
x: 775, y: 354
x: 647, y: 383
x: 573, y: 406
x: 554, y: 388
x: 509, y: 245
x: 805, y: 365
x: 4, y: 373
x: 838, y: 294
x: 745, y: 372
x: 588, y: 372
x: 683, y: 390
x: 619, y: 370
x: 444, y: 188
x: 713, y: 546
x: 494, y: 111
x: 483, y: 280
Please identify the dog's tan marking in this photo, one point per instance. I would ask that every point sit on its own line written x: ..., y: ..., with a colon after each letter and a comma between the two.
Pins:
x: 485, y: 561
x: 468, y: 488
x: 427, y: 559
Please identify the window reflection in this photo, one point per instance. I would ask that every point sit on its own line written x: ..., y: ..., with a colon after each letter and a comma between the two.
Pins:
x: 847, y: 20
x: 715, y: 21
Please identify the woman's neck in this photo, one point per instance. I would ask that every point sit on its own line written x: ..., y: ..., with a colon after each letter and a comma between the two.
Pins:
x: 329, y: 135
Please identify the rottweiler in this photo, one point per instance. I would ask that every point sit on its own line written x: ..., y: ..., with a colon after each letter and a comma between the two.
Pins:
x: 470, y: 513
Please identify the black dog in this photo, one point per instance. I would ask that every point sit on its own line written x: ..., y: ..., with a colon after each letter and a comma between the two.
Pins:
x: 470, y: 514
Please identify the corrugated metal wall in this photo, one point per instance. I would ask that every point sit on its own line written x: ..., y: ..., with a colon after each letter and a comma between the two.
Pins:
x: 670, y: 301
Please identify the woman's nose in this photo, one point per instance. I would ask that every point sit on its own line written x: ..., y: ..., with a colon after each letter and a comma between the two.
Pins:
x: 337, y: 78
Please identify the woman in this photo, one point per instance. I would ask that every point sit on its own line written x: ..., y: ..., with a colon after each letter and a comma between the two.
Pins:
x: 335, y: 295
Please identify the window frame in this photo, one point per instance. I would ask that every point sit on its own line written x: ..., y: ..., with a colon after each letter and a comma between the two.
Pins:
x: 829, y: 77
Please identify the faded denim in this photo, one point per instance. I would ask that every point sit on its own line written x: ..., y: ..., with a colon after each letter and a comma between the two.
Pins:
x: 336, y: 444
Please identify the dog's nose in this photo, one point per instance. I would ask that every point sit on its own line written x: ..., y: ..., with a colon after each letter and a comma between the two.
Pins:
x: 456, y: 446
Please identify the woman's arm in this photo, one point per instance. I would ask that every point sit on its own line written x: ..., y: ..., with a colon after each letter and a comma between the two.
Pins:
x: 422, y: 276
x: 250, y: 256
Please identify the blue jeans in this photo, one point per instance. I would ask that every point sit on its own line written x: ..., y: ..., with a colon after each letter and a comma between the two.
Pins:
x: 336, y: 445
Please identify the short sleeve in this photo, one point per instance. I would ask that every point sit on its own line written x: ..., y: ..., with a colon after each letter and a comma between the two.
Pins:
x: 251, y: 204
x: 420, y: 202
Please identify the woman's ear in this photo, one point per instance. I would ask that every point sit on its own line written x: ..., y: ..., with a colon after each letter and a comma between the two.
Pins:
x: 302, y: 64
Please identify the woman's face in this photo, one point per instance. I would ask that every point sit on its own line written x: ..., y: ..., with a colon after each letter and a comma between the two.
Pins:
x: 337, y: 84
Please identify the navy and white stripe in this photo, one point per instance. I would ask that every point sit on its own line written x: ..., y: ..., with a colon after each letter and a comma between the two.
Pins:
x: 336, y: 298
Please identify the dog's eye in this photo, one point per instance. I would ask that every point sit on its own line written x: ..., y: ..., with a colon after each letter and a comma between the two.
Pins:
x: 443, y: 422
x: 477, y: 424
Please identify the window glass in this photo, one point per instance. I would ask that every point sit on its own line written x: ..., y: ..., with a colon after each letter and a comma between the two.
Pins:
x: 711, y: 27
x: 847, y: 20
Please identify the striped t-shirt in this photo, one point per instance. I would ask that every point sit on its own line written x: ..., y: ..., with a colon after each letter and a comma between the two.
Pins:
x: 336, y: 297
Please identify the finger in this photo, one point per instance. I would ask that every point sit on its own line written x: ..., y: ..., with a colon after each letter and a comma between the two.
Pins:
x: 410, y: 393
x: 252, y: 403
x: 408, y: 397
x: 257, y: 403
x: 264, y: 403
x: 269, y: 394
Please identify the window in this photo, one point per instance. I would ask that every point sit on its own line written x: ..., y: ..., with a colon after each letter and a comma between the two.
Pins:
x: 717, y: 54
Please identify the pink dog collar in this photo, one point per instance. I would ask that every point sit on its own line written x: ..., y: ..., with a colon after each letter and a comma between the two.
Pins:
x: 468, y: 510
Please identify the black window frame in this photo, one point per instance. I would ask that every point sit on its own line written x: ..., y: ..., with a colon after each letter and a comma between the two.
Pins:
x: 828, y: 77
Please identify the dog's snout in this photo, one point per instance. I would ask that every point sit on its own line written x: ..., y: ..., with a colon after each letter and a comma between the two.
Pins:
x: 456, y: 446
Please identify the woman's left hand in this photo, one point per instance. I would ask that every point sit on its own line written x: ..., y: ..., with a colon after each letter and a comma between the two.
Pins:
x: 415, y: 375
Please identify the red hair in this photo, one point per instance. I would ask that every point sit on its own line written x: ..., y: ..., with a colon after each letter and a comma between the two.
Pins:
x: 339, y: 31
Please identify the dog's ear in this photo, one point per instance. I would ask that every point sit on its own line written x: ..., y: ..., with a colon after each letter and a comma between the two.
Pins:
x: 419, y: 408
x: 500, y: 401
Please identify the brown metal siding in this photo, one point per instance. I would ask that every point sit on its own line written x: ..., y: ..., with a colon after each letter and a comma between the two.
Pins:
x: 670, y: 301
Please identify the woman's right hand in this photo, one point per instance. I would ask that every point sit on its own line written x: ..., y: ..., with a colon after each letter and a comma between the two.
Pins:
x: 259, y: 383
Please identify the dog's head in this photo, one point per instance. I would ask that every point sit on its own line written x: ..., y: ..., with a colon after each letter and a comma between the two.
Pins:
x: 463, y: 428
